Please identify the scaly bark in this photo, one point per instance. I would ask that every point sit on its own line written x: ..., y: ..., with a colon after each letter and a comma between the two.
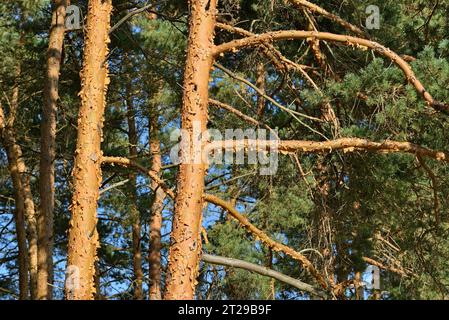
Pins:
x: 154, y: 255
x: 47, y: 156
x: 83, y: 237
x: 185, y: 249
x: 135, y: 215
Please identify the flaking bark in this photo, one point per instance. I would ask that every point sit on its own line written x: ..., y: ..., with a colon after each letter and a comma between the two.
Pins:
x: 154, y: 255
x: 83, y: 237
x: 185, y: 249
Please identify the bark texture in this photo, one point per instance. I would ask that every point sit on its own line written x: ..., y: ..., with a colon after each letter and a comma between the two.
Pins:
x: 47, y: 156
x: 24, y: 198
x: 185, y: 249
x: 83, y: 237
x: 16, y: 170
x: 154, y: 255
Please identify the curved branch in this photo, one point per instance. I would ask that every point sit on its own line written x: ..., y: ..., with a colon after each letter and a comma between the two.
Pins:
x: 359, y: 43
x: 128, y: 16
x: 278, y: 59
x: 235, y: 263
x: 262, y: 236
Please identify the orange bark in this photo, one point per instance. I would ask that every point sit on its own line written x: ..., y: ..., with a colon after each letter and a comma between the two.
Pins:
x: 83, y: 237
x: 185, y: 249
x: 154, y: 256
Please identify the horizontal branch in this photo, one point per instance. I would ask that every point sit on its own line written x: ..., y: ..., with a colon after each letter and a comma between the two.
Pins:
x: 359, y: 43
x: 235, y: 263
x: 344, y: 144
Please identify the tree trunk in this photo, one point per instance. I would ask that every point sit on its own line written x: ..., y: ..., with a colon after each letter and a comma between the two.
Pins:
x: 17, y: 166
x: 185, y: 246
x: 135, y: 215
x: 83, y: 237
x: 47, y: 157
x: 14, y: 153
x: 154, y: 255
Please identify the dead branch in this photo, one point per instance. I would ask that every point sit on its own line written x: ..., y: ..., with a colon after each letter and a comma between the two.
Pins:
x: 264, y: 271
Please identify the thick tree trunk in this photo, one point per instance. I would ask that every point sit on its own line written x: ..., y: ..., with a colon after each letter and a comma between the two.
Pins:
x: 14, y: 153
x: 135, y: 215
x: 185, y: 246
x: 47, y: 157
x: 154, y: 255
x: 83, y: 237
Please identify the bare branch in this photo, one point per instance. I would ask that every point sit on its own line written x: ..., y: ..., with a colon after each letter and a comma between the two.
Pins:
x: 235, y: 263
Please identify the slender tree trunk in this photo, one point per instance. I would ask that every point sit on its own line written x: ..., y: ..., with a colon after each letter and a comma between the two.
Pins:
x: 17, y: 164
x: 83, y: 237
x: 154, y: 255
x: 135, y: 215
x: 185, y: 249
x: 14, y: 153
x: 358, y: 286
x: 47, y: 157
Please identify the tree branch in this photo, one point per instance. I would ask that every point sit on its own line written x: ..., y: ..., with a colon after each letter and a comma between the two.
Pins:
x: 234, y: 213
x: 125, y: 162
x: 359, y: 43
x: 235, y: 263
x: 316, y: 9
x: 345, y: 144
x: 266, y: 239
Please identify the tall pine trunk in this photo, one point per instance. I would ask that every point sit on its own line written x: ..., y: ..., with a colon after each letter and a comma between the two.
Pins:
x: 83, y: 237
x: 135, y: 215
x: 185, y: 246
x: 47, y: 156
x: 154, y: 255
